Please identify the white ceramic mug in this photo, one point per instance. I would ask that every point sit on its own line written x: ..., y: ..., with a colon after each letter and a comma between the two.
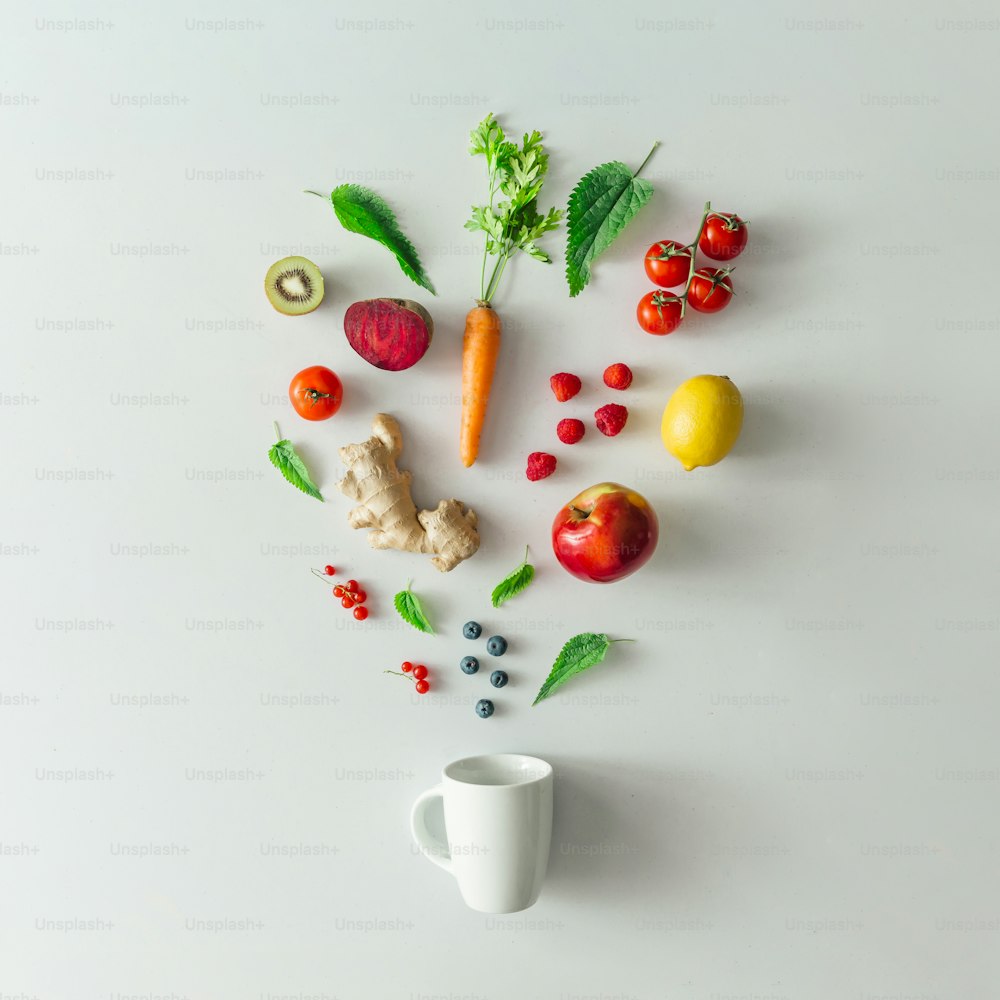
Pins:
x: 498, y: 821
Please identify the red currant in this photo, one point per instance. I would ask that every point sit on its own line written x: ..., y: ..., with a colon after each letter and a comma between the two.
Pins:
x: 338, y: 591
x: 361, y: 597
x: 422, y: 687
x: 329, y: 570
x: 361, y: 614
x: 351, y: 585
x: 420, y: 671
x: 406, y: 667
x: 347, y: 602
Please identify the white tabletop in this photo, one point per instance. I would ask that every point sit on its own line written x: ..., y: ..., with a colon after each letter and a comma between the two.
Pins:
x: 786, y: 788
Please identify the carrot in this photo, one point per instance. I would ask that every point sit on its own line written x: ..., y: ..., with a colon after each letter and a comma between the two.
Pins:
x: 480, y: 348
x: 511, y: 225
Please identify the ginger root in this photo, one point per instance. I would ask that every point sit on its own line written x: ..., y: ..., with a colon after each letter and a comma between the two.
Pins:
x: 384, y: 503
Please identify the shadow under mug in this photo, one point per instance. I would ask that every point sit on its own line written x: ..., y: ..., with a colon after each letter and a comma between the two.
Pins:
x: 498, y: 823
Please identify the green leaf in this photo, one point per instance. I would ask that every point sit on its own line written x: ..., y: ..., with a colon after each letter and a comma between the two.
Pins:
x: 579, y: 653
x: 361, y: 210
x: 284, y: 458
x: 410, y: 610
x: 514, y: 582
x: 602, y: 204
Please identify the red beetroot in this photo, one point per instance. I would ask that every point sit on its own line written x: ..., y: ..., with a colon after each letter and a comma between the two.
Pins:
x: 392, y: 334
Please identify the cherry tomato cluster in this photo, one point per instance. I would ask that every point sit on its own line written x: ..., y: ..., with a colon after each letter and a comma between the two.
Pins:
x: 670, y: 264
x: 351, y: 594
x: 417, y: 672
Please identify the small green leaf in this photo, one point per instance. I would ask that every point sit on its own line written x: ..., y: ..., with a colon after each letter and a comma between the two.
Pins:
x: 360, y: 210
x: 514, y: 582
x: 284, y: 458
x: 602, y: 204
x: 579, y: 653
x: 410, y: 610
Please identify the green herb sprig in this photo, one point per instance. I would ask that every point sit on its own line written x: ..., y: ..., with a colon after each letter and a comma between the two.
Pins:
x: 513, y: 223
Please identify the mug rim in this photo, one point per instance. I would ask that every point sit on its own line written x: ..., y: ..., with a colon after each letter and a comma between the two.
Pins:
x: 545, y: 768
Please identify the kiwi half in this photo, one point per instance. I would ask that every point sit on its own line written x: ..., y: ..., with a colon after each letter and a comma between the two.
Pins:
x: 294, y: 286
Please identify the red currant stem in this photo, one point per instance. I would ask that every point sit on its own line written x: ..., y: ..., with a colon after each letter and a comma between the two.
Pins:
x: 398, y: 674
x: 656, y: 145
x: 694, y: 257
x: 320, y: 574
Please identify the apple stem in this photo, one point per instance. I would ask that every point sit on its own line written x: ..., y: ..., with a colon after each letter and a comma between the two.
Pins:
x: 576, y: 510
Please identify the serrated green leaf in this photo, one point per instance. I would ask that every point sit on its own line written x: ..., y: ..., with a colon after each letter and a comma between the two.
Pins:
x: 513, y: 583
x: 602, y: 204
x: 360, y: 210
x: 408, y: 607
x: 579, y: 653
x: 285, y: 459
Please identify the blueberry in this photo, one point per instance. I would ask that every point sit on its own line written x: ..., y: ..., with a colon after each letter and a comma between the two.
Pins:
x: 496, y: 645
x: 469, y: 664
x: 498, y: 678
x: 472, y: 630
x: 484, y: 708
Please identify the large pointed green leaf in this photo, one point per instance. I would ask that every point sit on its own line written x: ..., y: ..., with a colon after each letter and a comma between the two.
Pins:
x: 602, y: 204
x: 361, y: 210
x: 577, y: 655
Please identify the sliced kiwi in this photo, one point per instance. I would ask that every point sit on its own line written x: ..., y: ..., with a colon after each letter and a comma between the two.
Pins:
x: 294, y: 286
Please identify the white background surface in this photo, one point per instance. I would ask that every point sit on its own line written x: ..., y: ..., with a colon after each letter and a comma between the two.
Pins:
x: 787, y: 788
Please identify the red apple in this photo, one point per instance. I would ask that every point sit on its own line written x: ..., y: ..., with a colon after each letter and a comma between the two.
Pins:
x: 605, y: 533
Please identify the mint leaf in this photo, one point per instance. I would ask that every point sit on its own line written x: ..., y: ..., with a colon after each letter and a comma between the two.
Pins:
x: 514, y: 582
x: 408, y: 607
x: 602, y: 204
x: 361, y: 210
x: 579, y: 653
x: 285, y: 459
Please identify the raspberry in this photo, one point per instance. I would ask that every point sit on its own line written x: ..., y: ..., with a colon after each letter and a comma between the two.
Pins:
x: 565, y: 386
x: 618, y: 376
x: 611, y: 419
x: 570, y: 430
x: 540, y: 465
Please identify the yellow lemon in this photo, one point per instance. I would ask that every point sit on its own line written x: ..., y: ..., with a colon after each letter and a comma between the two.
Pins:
x: 702, y: 420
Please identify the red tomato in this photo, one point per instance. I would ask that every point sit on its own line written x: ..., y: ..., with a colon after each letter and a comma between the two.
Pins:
x: 659, y: 313
x: 723, y: 237
x: 710, y: 290
x: 668, y: 263
x: 316, y: 393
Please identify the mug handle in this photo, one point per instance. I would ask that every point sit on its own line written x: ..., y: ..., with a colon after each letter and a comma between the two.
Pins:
x: 430, y: 846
